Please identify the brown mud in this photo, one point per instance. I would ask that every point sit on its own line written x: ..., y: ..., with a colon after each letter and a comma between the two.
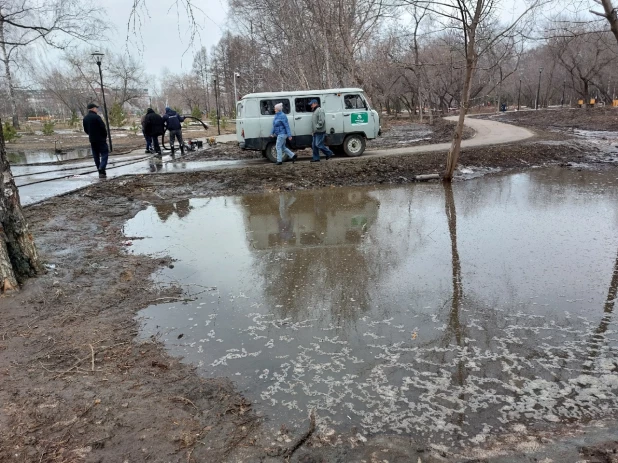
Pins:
x: 605, y: 118
x: 77, y: 383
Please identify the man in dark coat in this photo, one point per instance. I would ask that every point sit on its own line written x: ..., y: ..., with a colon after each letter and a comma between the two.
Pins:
x: 97, y: 134
x: 153, y: 129
x: 172, y: 122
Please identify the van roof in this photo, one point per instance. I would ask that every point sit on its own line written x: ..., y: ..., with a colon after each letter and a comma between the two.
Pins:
x: 301, y: 93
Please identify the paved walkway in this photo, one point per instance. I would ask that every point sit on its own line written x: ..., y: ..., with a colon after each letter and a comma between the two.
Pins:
x: 227, y: 138
x: 487, y: 133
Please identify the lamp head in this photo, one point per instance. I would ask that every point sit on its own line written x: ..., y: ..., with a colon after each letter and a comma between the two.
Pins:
x: 98, y: 57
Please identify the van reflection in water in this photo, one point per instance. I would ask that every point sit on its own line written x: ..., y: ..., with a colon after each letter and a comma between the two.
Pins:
x: 311, y: 247
x: 302, y: 219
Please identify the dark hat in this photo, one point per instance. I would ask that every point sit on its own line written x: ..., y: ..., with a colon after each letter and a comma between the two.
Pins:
x: 92, y: 105
x: 314, y: 101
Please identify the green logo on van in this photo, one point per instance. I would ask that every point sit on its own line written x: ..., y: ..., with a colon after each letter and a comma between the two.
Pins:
x: 359, y: 118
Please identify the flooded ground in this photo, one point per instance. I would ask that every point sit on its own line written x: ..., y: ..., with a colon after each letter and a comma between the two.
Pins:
x: 448, y: 315
x: 46, y: 156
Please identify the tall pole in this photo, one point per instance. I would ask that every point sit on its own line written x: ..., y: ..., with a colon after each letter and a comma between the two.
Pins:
x: 519, y: 95
x: 563, y: 89
x: 235, y: 92
x: 217, y: 103
x: 538, y: 90
x: 109, y: 132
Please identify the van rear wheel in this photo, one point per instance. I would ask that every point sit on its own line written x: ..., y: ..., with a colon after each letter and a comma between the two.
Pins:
x: 354, y: 145
x: 271, y: 152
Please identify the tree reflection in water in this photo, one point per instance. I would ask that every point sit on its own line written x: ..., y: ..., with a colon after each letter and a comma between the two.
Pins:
x: 598, y: 338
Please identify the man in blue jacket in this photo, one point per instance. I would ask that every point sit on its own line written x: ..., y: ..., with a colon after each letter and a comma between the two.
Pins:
x: 172, y: 121
x: 97, y: 134
x: 281, y: 130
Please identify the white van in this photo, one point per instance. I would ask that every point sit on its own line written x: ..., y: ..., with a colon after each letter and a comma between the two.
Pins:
x: 349, y: 120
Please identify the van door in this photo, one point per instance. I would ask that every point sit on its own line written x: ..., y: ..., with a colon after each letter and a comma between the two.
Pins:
x: 356, y: 115
x: 303, y: 125
x: 334, y: 119
x: 267, y: 115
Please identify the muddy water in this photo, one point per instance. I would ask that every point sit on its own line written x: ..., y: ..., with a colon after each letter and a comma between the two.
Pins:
x: 38, y: 156
x: 450, y: 315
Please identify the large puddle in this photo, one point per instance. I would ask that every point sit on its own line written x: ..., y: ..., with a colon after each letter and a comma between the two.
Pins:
x: 40, y: 156
x: 449, y: 315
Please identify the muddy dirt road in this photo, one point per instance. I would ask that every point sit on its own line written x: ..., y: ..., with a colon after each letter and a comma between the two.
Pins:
x: 78, y: 385
x: 41, y: 182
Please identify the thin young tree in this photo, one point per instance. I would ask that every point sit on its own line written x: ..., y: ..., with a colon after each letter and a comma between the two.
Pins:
x: 475, y: 21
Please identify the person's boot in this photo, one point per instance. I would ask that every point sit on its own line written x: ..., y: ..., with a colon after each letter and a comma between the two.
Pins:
x: 173, y: 152
x: 182, y: 150
x: 102, y: 173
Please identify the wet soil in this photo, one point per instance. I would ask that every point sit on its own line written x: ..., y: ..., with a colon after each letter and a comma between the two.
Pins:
x: 605, y: 118
x: 400, y: 133
x: 345, y: 171
x: 397, y: 133
x: 77, y: 386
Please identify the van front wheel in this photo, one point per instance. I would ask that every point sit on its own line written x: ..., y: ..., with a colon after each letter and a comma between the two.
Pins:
x: 354, y: 145
x: 271, y: 152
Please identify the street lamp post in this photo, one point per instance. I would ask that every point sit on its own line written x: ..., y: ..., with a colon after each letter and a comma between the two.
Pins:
x: 563, y: 89
x: 217, y: 104
x: 236, y: 74
x: 538, y: 90
x: 519, y: 94
x: 98, y: 58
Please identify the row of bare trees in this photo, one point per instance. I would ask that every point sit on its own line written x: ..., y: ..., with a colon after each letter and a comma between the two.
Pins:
x: 74, y: 82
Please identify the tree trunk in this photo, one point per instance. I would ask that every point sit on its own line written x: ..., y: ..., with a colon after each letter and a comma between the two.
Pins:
x: 9, y: 77
x: 453, y: 154
x: 611, y: 16
x: 18, y: 255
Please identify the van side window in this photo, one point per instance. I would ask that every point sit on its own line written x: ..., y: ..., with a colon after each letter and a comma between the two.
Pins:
x: 302, y: 104
x: 354, y: 102
x: 267, y: 107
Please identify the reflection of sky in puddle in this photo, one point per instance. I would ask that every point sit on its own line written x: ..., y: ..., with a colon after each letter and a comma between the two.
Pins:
x: 445, y: 315
x: 32, y: 157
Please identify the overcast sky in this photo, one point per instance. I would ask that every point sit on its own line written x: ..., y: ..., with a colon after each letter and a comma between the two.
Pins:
x: 165, y: 37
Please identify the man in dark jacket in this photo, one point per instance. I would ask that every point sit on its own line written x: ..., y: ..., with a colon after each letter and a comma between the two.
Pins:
x: 172, y: 121
x: 97, y: 134
x: 153, y: 129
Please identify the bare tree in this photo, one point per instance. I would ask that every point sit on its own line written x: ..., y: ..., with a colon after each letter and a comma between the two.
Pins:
x: 127, y: 78
x: 472, y: 18
x: 610, y: 14
x: 584, y: 52
x: 201, y: 69
x: 53, y: 22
